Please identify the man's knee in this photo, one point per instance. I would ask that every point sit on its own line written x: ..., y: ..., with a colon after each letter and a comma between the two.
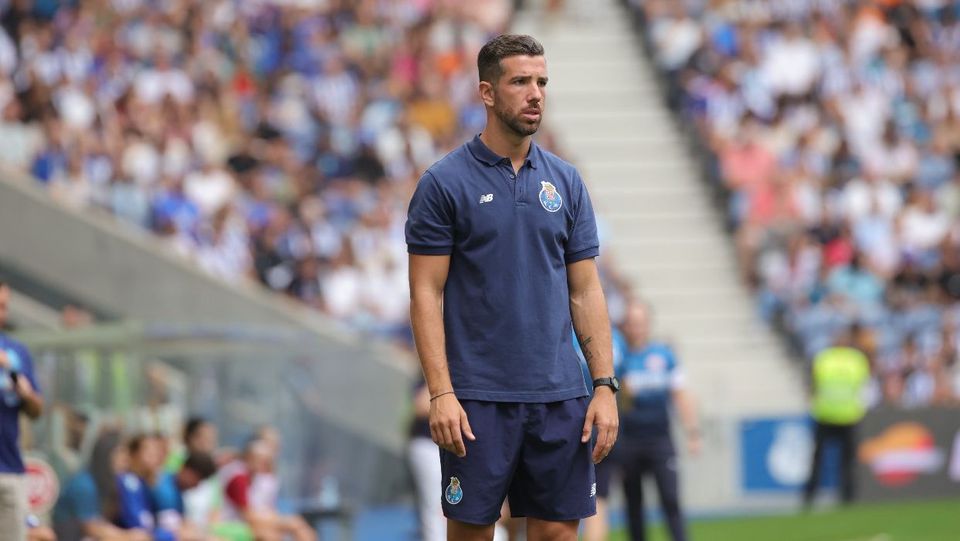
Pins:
x: 457, y: 531
x: 545, y: 530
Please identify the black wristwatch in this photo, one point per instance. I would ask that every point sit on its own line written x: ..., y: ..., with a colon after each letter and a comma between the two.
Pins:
x: 613, y: 383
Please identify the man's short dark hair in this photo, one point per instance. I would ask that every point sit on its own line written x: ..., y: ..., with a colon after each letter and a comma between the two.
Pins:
x: 202, y: 464
x: 135, y: 443
x: 194, y: 424
x: 504, y: 46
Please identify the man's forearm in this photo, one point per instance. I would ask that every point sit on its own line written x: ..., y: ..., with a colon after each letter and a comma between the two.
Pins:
x: 592, y: 327
x: 32, y: 404
x: 686, y: 409
x: 426, y: 318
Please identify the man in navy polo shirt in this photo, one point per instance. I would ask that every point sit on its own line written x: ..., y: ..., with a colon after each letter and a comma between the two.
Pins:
x: 18, y: 392
x: 502, y: 241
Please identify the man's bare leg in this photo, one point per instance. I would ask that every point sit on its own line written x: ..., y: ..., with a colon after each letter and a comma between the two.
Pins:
x: 461, y: 531
x: 548, y: 530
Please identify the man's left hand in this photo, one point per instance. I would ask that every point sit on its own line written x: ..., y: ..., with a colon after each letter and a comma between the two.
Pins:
x: 602, y: 412
x: 24, y: 388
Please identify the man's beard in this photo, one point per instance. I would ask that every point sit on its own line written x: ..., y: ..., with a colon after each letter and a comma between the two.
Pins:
x: 517, y: 125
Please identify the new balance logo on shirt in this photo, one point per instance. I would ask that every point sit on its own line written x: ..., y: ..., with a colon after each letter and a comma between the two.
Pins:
x: 486, y: 198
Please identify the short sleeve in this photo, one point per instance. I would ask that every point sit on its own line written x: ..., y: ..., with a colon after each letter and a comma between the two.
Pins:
x: 582, y: 241
x: 165, y: 494
x: 27, y: 369
x: 429, y: 228
x: 678, y: 378
x: 237, y: 492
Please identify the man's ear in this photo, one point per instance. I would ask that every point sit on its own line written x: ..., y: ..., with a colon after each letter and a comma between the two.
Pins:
x: 487, y: 93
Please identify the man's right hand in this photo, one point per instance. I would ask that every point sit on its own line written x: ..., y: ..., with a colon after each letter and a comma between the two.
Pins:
x: 4, y: 360
x: 449, y: 424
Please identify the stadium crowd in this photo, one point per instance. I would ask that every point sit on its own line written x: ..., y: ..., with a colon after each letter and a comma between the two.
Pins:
x: 832, y: 129
x: 153, y: 487
x: 275, y: 140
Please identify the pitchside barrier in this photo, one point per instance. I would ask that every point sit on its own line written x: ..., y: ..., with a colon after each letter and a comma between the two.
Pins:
x: 901, y: 454
x: 909, y: 454
x: 151, y: 378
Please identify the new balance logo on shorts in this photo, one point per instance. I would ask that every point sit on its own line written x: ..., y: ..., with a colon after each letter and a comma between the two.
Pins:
x: 593, y: 490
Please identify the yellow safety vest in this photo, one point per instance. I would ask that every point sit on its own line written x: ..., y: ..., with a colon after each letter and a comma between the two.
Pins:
x: 839, y: 376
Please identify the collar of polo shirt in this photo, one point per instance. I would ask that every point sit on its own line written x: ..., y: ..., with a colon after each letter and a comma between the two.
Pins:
x: 483, y: 153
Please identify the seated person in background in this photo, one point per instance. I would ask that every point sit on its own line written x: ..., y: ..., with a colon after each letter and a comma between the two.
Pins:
x: 40, y: 533
x: 199, y: 436
x: 267, y: 524
x: 137, y: 509
x: 202, y: 504
x: 265, y: 485
x: 168, y: 491
x: 90, y: 496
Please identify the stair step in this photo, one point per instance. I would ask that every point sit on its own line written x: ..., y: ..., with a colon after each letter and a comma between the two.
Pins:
x: 629, y: 129
x: 665, y: 230
x: 599, y: 148
x: 683, y: 277
x: 627, y: 205
x: 592, y: 98
x: 658, y: 172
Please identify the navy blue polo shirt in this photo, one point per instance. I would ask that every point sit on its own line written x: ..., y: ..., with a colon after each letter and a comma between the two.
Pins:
x: 506, y: 310
x: 10, y: 403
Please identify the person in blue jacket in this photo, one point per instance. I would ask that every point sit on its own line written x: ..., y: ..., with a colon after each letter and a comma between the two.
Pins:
x: 137, y: 507
x: 652, y: 383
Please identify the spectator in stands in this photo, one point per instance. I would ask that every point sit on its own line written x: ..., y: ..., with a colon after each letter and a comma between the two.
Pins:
x: 243, y: 504
x: 916, y: 366
x: 199, y: 436
x: 38, y: 532
x: 87, y: 502
x: 839, y: 377
x: 214, y: 133
x: 265, y: 486
x: 19, y: 392
x: 167, y: 495
x: 202, y: 503
x: 838, y: 121
x: 136, y: 506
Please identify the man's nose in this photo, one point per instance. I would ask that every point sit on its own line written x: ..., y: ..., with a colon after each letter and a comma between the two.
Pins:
x: 536, y: 94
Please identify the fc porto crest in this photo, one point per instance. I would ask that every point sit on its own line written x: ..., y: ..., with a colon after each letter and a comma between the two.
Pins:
x: 453, y: 493
x: 550, y: 197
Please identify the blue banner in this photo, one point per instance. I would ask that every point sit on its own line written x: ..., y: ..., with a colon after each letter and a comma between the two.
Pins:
x: 775, y: 455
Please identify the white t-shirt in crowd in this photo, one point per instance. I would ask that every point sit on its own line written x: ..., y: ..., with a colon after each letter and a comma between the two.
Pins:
x: 923, y: 230
x: 860, y: 195
x: 791, y: 66
x: 210, y: 190
x: 152, y: 86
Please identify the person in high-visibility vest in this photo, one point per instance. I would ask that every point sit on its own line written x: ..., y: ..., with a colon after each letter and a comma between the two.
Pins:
x: 839, y: 376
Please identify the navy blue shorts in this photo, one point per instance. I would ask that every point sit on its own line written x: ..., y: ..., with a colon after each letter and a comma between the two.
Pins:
x: 530, y: 453
x: 604, y: 471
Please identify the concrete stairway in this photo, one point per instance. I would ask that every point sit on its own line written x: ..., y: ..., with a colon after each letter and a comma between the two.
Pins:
x: 666, y: 236
x: 605, y: 107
